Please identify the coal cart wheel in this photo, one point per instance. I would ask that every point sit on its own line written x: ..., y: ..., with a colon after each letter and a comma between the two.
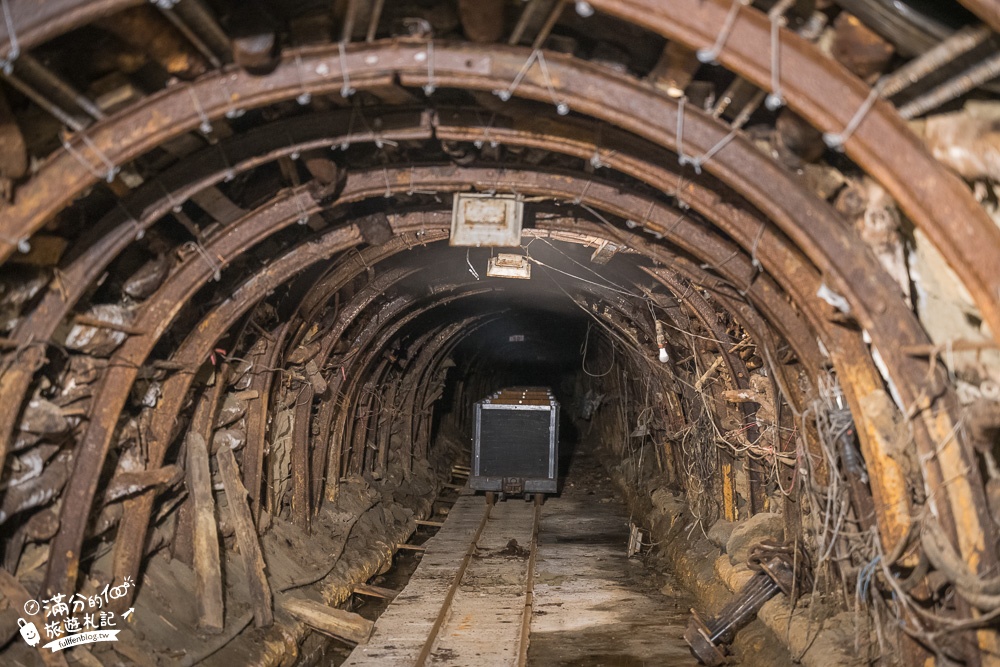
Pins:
x: 491, y: 498
x: 539, y: 499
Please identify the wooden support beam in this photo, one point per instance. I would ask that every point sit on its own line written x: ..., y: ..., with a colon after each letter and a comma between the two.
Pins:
x: 375, y: 591
x: 13, y: 149
x: 182, y: 546
x: 130, y: 483
x: 88, y: 321
x: 330, y: 621
x: 675, y: 69
x: 432, y: 524
x: 206, y: 535
x: 959, y: 345
x: 410, y: 547
x: 219, y: 206
x: 246, y: 537
x: 300, y: 457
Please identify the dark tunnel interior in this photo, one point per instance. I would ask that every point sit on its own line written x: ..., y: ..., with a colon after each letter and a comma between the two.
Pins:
x: 265, y: 264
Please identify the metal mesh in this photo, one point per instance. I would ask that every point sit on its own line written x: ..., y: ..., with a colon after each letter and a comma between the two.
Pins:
x: 514, y: 443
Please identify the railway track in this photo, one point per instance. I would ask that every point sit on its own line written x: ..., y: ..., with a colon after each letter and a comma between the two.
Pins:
x: 465, y: 606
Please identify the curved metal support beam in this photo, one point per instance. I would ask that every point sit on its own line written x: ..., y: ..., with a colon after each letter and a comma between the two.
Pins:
x: 135, y: 520
x: 849, y: 263
x: 132, y: 354
x: 881, y: 143
x: 824, y: 92
x: 155, y: 199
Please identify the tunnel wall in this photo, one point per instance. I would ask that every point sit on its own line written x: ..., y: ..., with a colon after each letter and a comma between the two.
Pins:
x: 227, y: 264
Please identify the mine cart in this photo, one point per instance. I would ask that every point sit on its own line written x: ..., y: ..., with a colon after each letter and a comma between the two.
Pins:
x: 515, y: 449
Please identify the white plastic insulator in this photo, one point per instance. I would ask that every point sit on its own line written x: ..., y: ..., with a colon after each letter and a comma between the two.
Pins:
x: 663, y: 355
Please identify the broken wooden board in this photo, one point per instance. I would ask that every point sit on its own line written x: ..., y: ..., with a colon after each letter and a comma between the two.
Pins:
x: 329, y: 620
x: 246, y: 538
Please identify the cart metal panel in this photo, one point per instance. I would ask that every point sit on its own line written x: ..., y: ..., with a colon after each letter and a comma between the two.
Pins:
x: 516, y: 444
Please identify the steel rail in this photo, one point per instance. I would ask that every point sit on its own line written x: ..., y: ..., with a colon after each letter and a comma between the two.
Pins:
x: 529, y: 586
x: 439, y: 620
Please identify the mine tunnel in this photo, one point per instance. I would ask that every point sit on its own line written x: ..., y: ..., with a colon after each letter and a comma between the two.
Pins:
x: 266, y: 263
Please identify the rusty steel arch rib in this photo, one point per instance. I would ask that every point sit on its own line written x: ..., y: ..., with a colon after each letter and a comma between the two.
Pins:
x: 156, y: 314
x: 151, y: 202
x: 206, y: 346
x: 824, y: 92
x: 174, y: 395
x: 904, y: 166
x: 301, y: 481
x: 354, y: 459
x: 824, y: 239
x: 158, y: 118
x: 612, y: 89
x: 931, y: 195
x: 128, y: 548
x: 376, y: 186
x: 372, y: 339
x: 427, y: 362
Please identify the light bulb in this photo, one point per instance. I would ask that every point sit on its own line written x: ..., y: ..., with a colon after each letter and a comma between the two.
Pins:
x: 663, y: 355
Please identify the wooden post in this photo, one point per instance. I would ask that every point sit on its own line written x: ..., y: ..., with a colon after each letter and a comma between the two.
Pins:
x: 246, y: 537
x: 300, y: 457
x: 206, y: 534
x: 375, y: 591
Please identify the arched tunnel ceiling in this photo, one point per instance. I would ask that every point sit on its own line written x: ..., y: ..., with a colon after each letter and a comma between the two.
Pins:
x: 281, y: 191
